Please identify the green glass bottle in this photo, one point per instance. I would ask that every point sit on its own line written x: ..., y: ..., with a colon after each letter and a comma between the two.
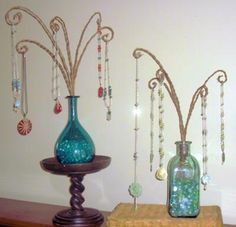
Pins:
x: 74, y: 144
x: 183, y: 182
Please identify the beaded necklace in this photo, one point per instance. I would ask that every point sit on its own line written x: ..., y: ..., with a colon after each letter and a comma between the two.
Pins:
x: 24, y: 127
x: 135, y: 189
x: 16, y: 81
x: 55, y: 77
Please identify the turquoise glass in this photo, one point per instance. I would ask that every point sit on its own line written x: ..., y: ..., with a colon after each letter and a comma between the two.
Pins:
x: 74, y: 144
x: 183, y: 183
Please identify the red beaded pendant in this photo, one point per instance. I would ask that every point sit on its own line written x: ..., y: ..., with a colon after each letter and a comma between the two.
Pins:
x: 100, y: 92
x: 24, y: 127
x: 57, y: 107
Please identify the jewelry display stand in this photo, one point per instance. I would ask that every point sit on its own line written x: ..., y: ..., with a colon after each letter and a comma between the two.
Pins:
x: 77, y: 151
x: 157, y: 84
x: 77, y: 215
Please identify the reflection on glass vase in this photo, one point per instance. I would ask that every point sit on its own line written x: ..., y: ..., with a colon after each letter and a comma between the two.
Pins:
x: 74, y: 144
x: 183, y: 183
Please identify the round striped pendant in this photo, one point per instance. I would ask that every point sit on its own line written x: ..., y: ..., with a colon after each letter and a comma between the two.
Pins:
x: 24, y: 127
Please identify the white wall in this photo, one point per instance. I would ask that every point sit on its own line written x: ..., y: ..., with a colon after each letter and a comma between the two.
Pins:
x: 192, y: 39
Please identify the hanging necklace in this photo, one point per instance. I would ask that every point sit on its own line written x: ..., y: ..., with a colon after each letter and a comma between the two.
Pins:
x: 16, y: 82
x: 161, y: 173
x: 24, y: 126
x: 107, y: 84
x: 99, y: 58
x: 222, y: 125
x: 104, y: 91
x: 135, y: 189
x: 152, y: 99
x: 205, y: 179
x: 55, y: 77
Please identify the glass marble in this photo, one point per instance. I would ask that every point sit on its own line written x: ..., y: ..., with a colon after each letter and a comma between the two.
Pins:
x: 74, y: 145
x: 183, y: 183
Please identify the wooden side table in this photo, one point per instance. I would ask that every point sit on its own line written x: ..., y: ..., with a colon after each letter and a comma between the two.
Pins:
x: 16, y: 213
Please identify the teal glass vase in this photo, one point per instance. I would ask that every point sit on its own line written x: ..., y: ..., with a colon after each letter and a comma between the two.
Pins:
x: 74, y: 145
x: 183, y: 183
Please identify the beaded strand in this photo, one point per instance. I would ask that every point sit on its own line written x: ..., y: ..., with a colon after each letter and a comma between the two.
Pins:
x: 161, y: 173
x: 99, y: 58
x: 55, y: 78
x: 24, y: 126
x: 152, y: 99
x: 104, y: 90
x: 135, y: 189
x: 107, y: 84
x: 205, y: 177
x: 222, y: 125
x: 24, y: 95
x: 16, y: 81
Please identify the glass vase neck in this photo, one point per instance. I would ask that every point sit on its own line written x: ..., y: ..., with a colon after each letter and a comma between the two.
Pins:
x: 183, y: 148
x: 72, y: 107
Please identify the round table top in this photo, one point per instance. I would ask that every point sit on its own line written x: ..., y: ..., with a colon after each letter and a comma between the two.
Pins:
x: 53, y: 166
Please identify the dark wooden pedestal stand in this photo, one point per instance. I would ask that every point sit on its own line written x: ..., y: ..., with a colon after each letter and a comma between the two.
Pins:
x: 77, y: 215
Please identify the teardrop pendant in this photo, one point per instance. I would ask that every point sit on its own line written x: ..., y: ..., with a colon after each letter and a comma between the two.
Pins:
x: 161, y: 174
x: 57, y: 107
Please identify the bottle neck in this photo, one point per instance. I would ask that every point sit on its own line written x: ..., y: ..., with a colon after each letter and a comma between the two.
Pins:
x: 72, y: 107
x: 183, y: 149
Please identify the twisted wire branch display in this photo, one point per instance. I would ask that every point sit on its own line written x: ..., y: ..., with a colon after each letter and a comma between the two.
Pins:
x: 70, y: 70
x: 163, y: 77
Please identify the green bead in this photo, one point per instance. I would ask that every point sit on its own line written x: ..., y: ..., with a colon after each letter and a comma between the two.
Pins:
x: 135, y: 190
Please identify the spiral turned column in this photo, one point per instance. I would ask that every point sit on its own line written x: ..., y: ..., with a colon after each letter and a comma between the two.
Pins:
x: 76, y: 190
x: 77, y: 215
